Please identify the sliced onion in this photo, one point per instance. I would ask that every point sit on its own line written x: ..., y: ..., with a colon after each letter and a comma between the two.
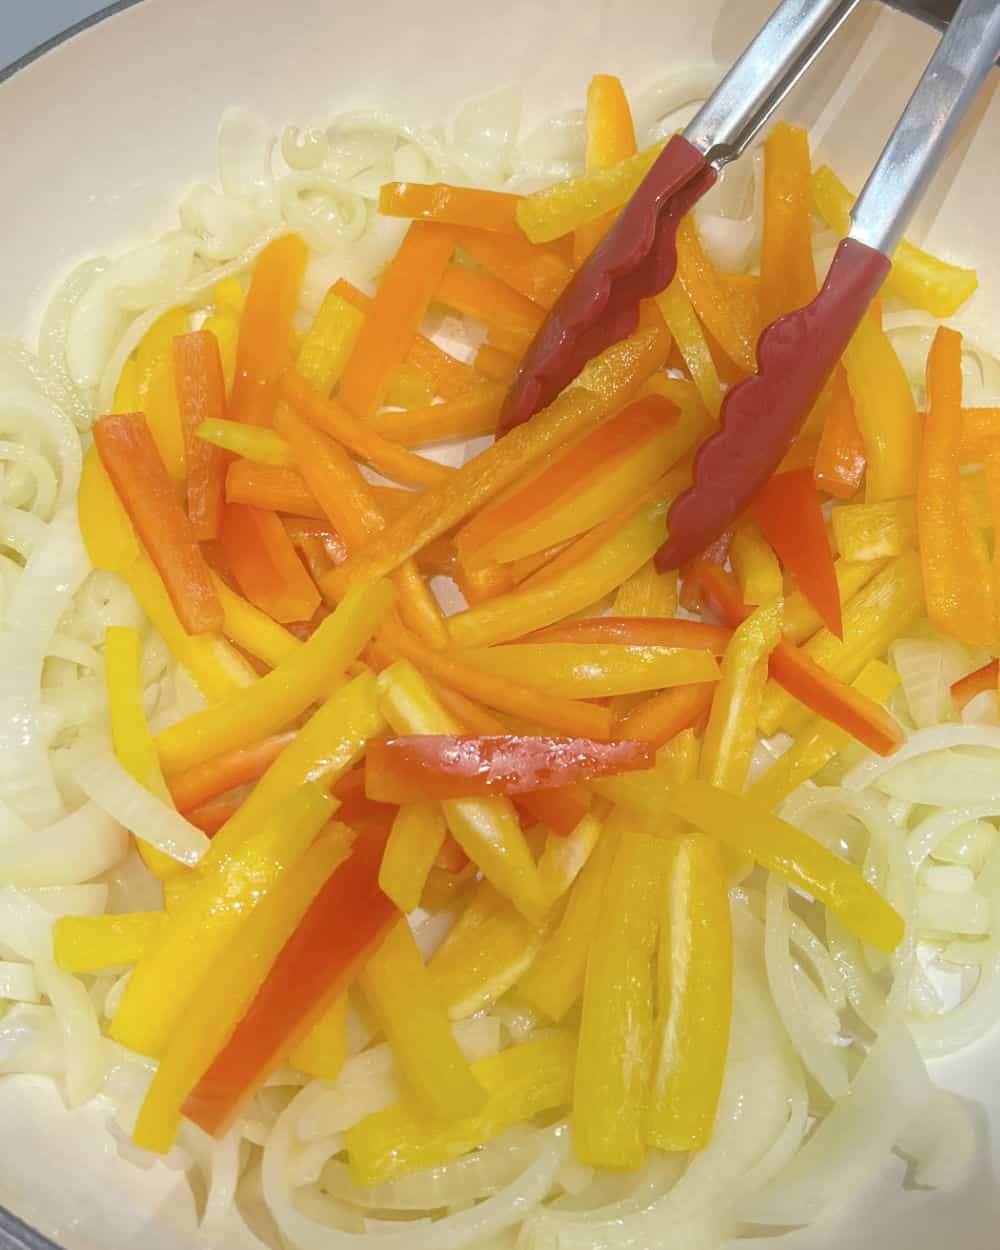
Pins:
x: 941, y: 1141
x: 17, y: 982
x: 30, y: 1041
x: 25, y: 926
x: 76, y: 848
x: 80, y: 1030
x: 927, y: 668
x: 71, y: 900
x: 483, y: 135
x: 919, y: 744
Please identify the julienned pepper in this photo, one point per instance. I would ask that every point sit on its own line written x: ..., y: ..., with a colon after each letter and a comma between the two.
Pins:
x: 201, y: 397
x: 803, y: 862
x: 726, y: 319
x: 264, y: 564
x: 323, y: 1049
x: 400, y: 991
x: 647, y: 593
x: 610, y: 139
x: 565, y: 854
x: 540, y: 273
x: 97, y: 943
x: 647, y: 630
x: 329, y: 341
x: 979, y: 682
x: 755, y: 564
x: 252, y: 442
x: 521, y: 1082
x: 251, y: 629
x: 787, y: 271
x: 840, y: 463
x: 454, y: 206
x: 677, y: 312
x: 418, y: 833
x: 155, y: 393
x: 801, y: 618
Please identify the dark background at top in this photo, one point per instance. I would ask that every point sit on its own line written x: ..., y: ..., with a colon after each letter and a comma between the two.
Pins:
x: 939, y: 10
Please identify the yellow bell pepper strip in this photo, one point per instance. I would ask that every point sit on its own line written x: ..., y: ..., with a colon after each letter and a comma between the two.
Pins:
x: 252, y: 442
x: 228, y: 988
x: 479, y: 295
x: 610, y: 138
x: 802, y: 619
x: 323, y: 1051
x: 916, y: 277
x: 278, y: 698
x: 210, y: 916
x: 875, y: 531
x: 96, y: 943
x: 229, y: 297
x: 731, y: 736
x: 486, y: 829
x: 329, y: 341
x: 494, y: 363
x: 787, y: 272
x: 755, y: 565
x: 156, y: 394
x: 417, y: 836
x: 405, y: 289
x: 408, y: 387
x: 327, y: 745
x: 532, y: 607
x: 958, y: 578
x: 647, y: 593
x: 885, y: 411
x: 107, y: 532
x: 262, y: 353
x: 803, y: 862
x: 618, y: 372
x: 566, y: 854
x: 731, y: 323
x: 839, y: 467
x: 402, y: 996
x: 522, y: 1082
x: 470, y: 415
x: 201, y: 396
x: 126, y: 397
x: 571, y: 670
x: 616, y: 1024
x: 676, y: 310
x: 568, y: 205
x: 257, y: 633
x: 454, y: 206
x: 554, y: 981
x: 818, y: 744
x: 695, y: 967
x: 641, y: 795
x: 538, y: 273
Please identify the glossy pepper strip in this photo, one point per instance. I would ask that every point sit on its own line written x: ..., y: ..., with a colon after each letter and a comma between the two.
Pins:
x: 329, y: 341
x: 983, y: 679
x: 787, y: 272
x: 201, y: 396
x: 521, y: 1082
x: 323, y: 1050
x: 344, y: 924
x: 262, y: 353
x: 538, y: 273
x: 156, y: 393
x: 616, y: 1024
x: 252, y: 442
x: 469, y: 415
x: 839, y: 468
x: 726, y: 319
x: 440, y: 766
x: 788, y: 512
x: 653, y: 630
x: 265, y: 565
x: 804, y: 863
x: 647, y: 593
x: 663, y: 716
x: 801, y: 618
x: 277, y: 699
x: 454, y: 206
x: 257, y: 633
x: 483, y: 297
x: 225, y: 772
x: 486, y: 829
x: 218, y: 904
x: 130, y: 458
x: 96, y: 943
x: 755, y: 564
x: 679, y: 314
x: 228, y: 989
x: 417, y: 836
x: 610, y: 138
x: 958, y: 580
x: 272, y: 488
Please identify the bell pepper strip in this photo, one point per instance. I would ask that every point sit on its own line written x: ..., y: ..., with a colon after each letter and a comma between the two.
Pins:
x: 564, y: 856
x: 418, y: 834
x: 129, y: 456
x: 610, y: 138
x: 366, y: 443
x: 875, y: 531
x: 560, y: 809
x: 97, y: 943
x: 156, y: 394
x: 801, y: 618
x: 787, y: 271
x: 323, y: 1051
x: 201, y: 397
x: 470, y: 415
x: 494, y: 211
x: 568, y: 205
x: 254, y: 631
x: 618, y: 373
x: 228, y: 771
x: 126, y: 397
x: 576, y: 719
x: 424, y: 767
x: 483, y: 962
x: 521, y: 1082
x: 980, y: 429
x: 803, y: 862
x: 408, y: 387
x: 885, y: 412
x: 283, y: 694
x: 966, y: 688
x: 405, y: 290
x: 265, y: 565
x: 262, y: 353
x: 695, y: 962
x: 647, y: 593
x: 616, y: 1022
x: 494, y: 363
x: 343, y: 926
x: 918, y: 278
x: 253, y: 442
x: 639, y: 631
x: 486, y: 829
x: 731, y: 736
x: 957, y: 575
x: 229, y: 987
x: 641, y: 794
x: 271, y: 488
x: 731, y: 323
x: 479, y: 584
x: 402, y: 996
x: 210, y: 916
x: 537, y: 273
x: 481, y: 296
x: 329, y: 342
x: 663, y: 716
x: 210, y: 817
x: 839, y: 466
x: 573, y: 670
x: 787, y: 509
x: 677, y: 311
x: 105, y: 527
x: 813, y: 749
x: 755, y: 564
x: 817, y: 674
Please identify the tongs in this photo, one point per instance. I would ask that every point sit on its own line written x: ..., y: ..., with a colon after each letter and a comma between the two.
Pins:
x: 797, y: 353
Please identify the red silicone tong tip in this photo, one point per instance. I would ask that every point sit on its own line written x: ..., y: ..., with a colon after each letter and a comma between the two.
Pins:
x: 761, y: 416
x: 600, y: 306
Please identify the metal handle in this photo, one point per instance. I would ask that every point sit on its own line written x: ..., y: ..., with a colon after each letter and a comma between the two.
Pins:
x: 772, y: 64
x: 956, y: 71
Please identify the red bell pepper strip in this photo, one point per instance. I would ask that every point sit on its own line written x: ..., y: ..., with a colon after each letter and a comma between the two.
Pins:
x: 441, y: 766
x: 790, y: 517
x: 983, y: 679
x: 346, y: 921
x: 802, y: 677
x: 128, y: 454
x: 265, y: 564
x: 201, y: 396
x: 638, y: 631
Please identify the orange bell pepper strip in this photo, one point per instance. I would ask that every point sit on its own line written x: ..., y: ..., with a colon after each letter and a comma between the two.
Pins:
x: 210, y: 817
x: 660, y: 718
x: 262, y: 352
x: 228, y: 771
x: 787, y: 271
x: 980, y: 429
x: 454, y: 206
x: 130, y: 458
x: 473, y: 413
x: 480, y: 295
x: 265, y: 565
x: 638, y: 631
x: 201, y: 396
x: 839, y: 467
x: 966, y: 688
x: 788, y: 512
x: 345, y: 923
x: 271, y: 488
x: 494, y: 363
x: 406, y: 288
x: 421, y: 767
x: 729, y: 321
x: 560, y: 809
x: 677, y: 311
x: 537, y: 273
x: 610, y: 138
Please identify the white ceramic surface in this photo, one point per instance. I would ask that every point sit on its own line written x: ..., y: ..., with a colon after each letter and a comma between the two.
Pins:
x: 98, y: 139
